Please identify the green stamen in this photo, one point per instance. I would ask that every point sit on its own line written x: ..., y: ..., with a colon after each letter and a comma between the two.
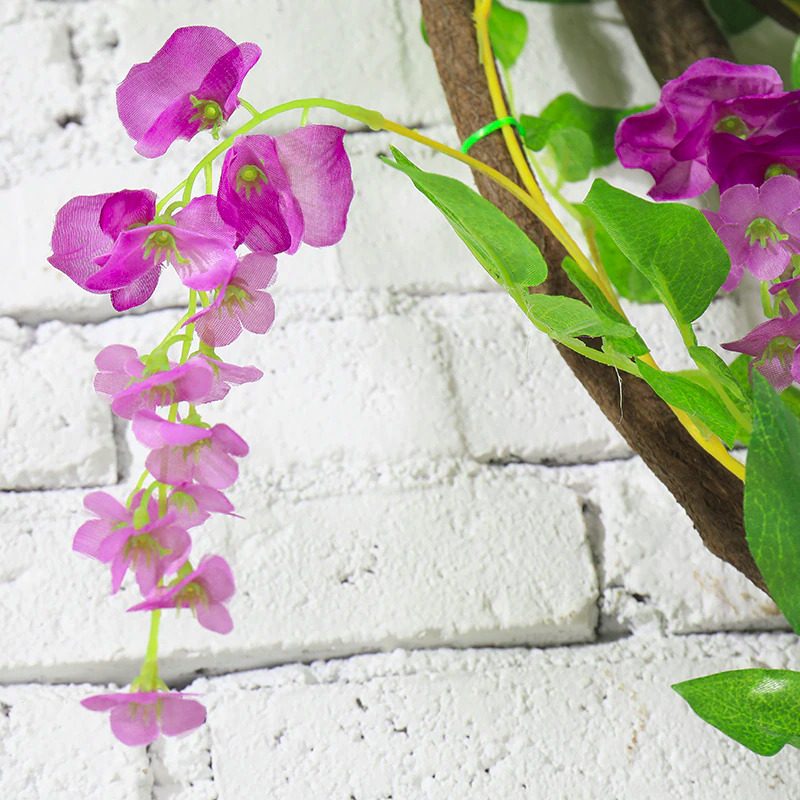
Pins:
x: 762, y: 230
x: 778, y: 169
x: 209, y: 115
x: 734, y: 125
x: 250, y: 177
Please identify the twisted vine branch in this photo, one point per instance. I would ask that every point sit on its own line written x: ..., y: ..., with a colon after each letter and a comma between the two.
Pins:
x: 711, y: 496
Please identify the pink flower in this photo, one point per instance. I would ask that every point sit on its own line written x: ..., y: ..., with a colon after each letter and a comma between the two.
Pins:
x: 189, y: 453
x: 189, y: 85
x: 671, y: 140
x: 118, y: 365
x: 204, y: 591
x: 226, y: 375
x: 193, y: 504
x: 775, y: 345
x: 137, y: 718
x: 111, y: 243
x: 280, y: 191
x: 189, y: 382
x: 155, y: 550
x: 760, y: 227
x: 240, y: 304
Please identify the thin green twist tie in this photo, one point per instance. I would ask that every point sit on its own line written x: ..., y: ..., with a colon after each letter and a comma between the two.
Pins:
x: 483, y: 132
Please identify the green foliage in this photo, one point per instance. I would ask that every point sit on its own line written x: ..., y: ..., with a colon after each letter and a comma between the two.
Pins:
x: 632, y: 345
x: 682, y: 392
x: 572, y: 151
x: 759, y: 708
x: 794, y: 79
x: 567, y: 318
x: 735, y: 16
x: 625, y: 278
x: 671, y: 244
x: 506, y: 253
x: 723, y: 377
x: 772, y: 497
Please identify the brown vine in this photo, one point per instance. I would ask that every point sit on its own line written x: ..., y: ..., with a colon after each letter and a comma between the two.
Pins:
x: 711, y: 496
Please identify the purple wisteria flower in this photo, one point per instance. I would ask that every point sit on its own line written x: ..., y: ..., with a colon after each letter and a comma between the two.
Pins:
x: 118, y: 365
x: 154, y: 550
x: 189, y: 453
x: 193, y: 504
x: 776, y: 347
x: 760, y: 227
x: 189, y: 382
x: 112, y: 243
x: 242, y: 304
x: 189, y: 85
x: 280, y: 191
x: 205, y: 591
x: 226, y: 375
x: 671, y: 140
x: 137, y: 718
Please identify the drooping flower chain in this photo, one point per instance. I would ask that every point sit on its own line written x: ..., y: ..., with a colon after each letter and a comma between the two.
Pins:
x: 733, y: 126
x: 274, y: 193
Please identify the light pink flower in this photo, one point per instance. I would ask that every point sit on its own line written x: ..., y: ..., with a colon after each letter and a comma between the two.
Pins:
x: 189, y: 85
x: 227, y: 375
x: 118, y: 365
x: 241, y: 304
x: 137, y: 718
x: 204, y: 591
x: 188, y: 453
x: 193, y: 504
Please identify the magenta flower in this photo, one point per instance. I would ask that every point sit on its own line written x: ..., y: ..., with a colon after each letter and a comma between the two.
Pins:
x: 280, y: 191
x: 137, y: 718
x: 189, y: 453
x: 240, y: 304
x: 154, y: 550
x: 189, y: 85
x: 774, y: 344
x: 670, y: 141
x: 225, y: 376
x: 189, y: 382
x: 192, y: 504
x: 204, y: 591
x: 760, y: 227
x: 118, y: 365
x: 111, y: 243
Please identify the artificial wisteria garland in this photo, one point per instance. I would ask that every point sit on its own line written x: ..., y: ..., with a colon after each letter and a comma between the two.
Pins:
x: 273, y: 194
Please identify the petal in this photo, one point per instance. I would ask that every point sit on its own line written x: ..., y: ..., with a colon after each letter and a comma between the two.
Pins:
x: 214, y: 617
x: 319, y: 172
x: 178, y: 542
x: 256, y: 271
x: 216, y: 576
x: 170, y: 465
x: 779, y: 197
x: 740, y: 204
x: 177, y: 69
x: 180, y: 715
x: 153, y: 431
x: 137, y: 292
x: 220, y: 327
x: 229, y: 440
x: 216, y: 469
x: 105, y: 702
x: 769, y: 262
x: 147, y: 574
x: 106, y: 507
x: 126, y: 208
x: 90, y: 536
x: 224, y: 79
x: 209, y: 261
x: 134, y: 724
x: 258, y: 315
x: 176, y: 121
x: 119, y: 568
x: 77, y: 239
x: 126, y: 262
x: 118, y: 358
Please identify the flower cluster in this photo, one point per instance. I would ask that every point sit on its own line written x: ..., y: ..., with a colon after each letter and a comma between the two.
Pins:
x: 274, y: 192
x: 733, y: 126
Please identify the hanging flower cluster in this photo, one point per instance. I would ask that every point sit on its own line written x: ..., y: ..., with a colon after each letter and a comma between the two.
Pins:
x: 733, y: 125
x: 273, y: 194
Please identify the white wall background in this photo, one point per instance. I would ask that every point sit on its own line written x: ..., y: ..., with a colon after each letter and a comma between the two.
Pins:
x: 494, y: 593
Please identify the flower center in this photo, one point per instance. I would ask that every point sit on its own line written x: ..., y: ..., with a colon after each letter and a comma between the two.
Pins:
x: 143, y: 546
x: 191, y: 596
x: 208, y: 113
x: 733, y: 125
x: 161, y: 245
x: 763, y: 230
x: 236, y: 297
x: 778, y: 169
x: 250, y: 177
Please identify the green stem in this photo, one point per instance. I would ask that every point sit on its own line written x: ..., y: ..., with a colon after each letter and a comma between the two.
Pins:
x: 248, y: 107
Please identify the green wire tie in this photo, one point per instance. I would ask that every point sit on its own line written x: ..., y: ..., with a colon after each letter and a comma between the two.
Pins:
x: 483, y: 132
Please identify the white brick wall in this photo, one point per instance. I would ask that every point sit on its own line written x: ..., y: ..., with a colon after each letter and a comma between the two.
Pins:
x: 384, y: 508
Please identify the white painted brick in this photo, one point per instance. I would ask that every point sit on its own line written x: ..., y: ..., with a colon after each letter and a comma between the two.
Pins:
x: 54, y: 749
x: 492, y: 558
x: 651, y: 551
x: 54, y: 430
x: 517, y: 399
x: 588, y: 722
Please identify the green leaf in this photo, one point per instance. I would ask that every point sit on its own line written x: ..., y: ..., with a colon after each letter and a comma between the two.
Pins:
x: 630, y: 345
x: 537, y: 131
x: 671, y: 244
x: 573, y: 153
x: 506, y: 253
x: 735, y: 16
x: 710, y: 362
x: 625, y: 278
x: 689, y: 396
x: 508, y: 31
x: 567, y: 318
x: 598, y: 123
x: 794, y: 78
x: 759, y: 708
x: 772, y: 497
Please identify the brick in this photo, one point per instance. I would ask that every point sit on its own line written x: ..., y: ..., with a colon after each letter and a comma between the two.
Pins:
x: 55, y: 431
